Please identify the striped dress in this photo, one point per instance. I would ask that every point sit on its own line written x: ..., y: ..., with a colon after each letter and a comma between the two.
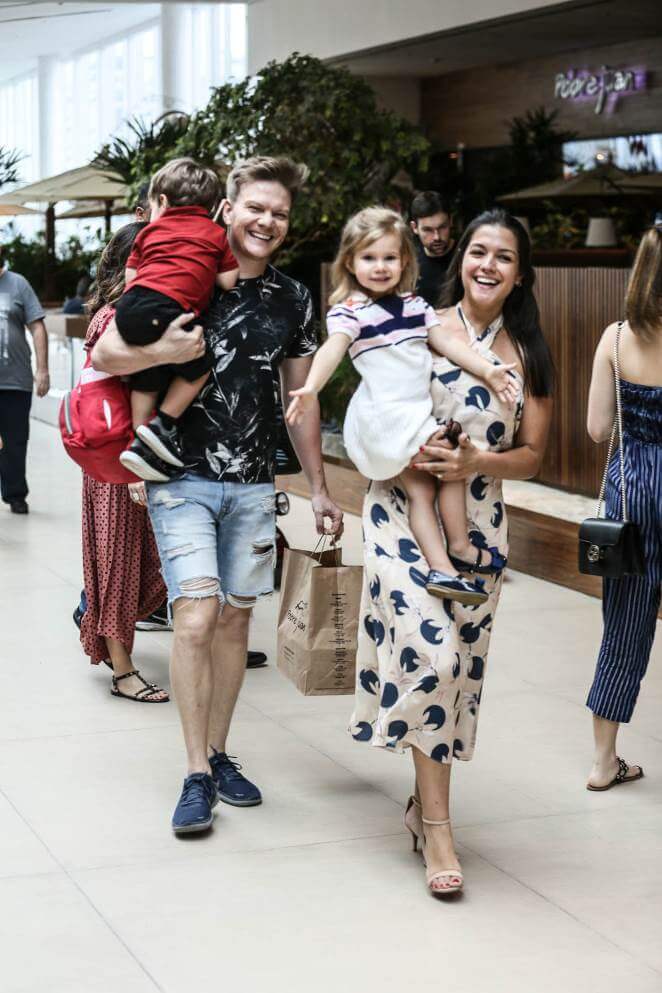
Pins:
x: 630, y: 604
x: 390, y: 415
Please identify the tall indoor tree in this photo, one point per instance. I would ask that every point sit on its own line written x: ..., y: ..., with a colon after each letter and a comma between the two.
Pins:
x: 301, y: 107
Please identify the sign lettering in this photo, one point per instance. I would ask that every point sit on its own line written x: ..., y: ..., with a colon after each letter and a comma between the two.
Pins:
x: 603, y: 87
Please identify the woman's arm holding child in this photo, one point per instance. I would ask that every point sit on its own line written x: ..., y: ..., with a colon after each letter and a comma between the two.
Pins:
x: 460, y: 353
x: 326, y: 361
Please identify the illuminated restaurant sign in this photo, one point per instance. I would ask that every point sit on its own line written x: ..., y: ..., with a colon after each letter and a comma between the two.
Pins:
x: 602, y: 87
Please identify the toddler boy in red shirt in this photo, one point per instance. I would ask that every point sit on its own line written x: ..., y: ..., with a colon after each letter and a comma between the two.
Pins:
x: 176, y: 262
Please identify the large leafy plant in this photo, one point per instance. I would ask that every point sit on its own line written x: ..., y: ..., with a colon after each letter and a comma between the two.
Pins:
x: 27, y: 256
x: 317, y: 114
x: 134, y: 156
x: 323, y: 116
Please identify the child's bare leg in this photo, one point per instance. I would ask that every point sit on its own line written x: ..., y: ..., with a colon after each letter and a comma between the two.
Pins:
x: 453, y: 512
x: 421, y: 490
x: 181, y: 394
x: 142, y: 405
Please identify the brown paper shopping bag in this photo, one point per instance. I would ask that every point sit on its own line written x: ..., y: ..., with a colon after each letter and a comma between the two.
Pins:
x: 318, y: 621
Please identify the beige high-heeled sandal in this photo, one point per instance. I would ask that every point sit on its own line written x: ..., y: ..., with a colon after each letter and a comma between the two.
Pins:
x: 414, y: 820
x: 454, y: 876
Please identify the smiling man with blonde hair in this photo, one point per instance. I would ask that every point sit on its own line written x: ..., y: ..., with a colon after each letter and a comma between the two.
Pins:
x: 215, y: 526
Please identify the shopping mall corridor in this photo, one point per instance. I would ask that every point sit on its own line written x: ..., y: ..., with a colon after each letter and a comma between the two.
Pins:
x: 317, y: 890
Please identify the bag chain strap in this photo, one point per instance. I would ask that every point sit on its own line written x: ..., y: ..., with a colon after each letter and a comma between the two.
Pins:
x: 617, y: 429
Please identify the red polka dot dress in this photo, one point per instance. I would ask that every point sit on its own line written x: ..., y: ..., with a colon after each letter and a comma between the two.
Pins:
x: 121, y: 566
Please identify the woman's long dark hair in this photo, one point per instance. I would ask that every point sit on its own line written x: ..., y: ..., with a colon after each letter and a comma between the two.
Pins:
x: 109, y: 284
x: 521, y: 317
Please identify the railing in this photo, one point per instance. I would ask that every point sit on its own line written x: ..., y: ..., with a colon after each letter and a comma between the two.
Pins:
x: 65, y: 360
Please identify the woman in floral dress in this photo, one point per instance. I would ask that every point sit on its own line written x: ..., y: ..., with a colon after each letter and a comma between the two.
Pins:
x: 421, y: 660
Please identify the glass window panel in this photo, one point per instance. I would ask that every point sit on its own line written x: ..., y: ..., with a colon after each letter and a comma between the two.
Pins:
x: 97, y: 90
x: 18, y: 111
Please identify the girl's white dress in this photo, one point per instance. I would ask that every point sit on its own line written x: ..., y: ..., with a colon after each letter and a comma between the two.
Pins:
x: 390, y: 415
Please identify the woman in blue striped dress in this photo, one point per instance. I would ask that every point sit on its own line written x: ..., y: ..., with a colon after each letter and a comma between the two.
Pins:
x: 630, y: 604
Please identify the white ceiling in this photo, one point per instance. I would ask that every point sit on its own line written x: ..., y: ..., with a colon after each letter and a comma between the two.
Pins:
x: 28, y: 29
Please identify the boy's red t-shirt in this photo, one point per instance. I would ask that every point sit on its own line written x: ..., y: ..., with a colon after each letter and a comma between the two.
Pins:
x: 180, y: 254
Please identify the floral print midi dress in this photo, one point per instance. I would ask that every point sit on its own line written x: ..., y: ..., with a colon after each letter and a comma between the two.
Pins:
x: 421, y: 660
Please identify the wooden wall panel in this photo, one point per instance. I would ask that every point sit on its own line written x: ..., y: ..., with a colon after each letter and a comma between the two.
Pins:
x: 473, y: 106
x: 576, y: 305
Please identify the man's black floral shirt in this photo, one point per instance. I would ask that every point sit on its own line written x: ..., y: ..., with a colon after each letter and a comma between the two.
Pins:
x: 230, y: 432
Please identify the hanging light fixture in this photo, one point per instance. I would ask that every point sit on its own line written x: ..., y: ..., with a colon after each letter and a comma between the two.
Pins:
x: 601, y: 233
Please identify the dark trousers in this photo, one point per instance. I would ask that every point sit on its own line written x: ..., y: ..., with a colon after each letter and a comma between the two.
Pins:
x: 142, y: 316
x: 14, y: 431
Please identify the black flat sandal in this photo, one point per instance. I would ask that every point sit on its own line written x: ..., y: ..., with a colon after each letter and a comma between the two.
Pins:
x: 620, y: 777
x: 142, y: 696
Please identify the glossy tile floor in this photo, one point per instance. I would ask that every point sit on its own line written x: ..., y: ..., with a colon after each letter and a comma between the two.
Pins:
x: 316, y: 890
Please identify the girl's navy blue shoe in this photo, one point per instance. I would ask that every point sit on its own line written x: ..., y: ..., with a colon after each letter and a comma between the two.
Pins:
x: 455, y: 588
x: 496, y: 564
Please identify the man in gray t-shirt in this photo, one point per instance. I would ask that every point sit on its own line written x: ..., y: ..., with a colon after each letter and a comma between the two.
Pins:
x: 19, y: 308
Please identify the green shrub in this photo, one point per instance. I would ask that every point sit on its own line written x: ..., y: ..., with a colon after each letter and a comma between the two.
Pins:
x: 27, y: 256
x: 315, y: 113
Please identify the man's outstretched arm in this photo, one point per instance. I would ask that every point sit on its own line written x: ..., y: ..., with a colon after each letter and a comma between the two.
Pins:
x: 307, y: 442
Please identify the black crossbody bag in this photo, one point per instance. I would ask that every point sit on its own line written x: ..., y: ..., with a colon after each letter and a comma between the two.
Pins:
x: 612, y: 548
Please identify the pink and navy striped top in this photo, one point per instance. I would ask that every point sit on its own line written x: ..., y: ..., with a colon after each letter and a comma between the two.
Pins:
x: 390, y: 320
x: 390, y: 415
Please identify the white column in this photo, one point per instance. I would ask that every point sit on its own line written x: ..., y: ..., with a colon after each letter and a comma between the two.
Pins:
x: 45, y: 114
x: 168, y: 34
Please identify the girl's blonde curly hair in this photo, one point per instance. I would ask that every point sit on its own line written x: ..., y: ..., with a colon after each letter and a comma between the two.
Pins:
x: 362, y: 230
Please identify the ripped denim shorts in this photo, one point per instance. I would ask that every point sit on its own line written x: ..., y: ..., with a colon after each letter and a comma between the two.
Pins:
x: 223, y: 532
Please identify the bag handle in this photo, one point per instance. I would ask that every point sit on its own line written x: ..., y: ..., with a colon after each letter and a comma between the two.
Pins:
x: 320, y: 547
x: 617, y: 429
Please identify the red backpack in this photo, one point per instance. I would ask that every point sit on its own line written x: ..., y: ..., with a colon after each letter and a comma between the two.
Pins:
x: 95, y: 423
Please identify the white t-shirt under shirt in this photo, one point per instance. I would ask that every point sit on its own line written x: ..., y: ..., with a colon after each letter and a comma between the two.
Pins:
x: 18, y: 306
x: 390, y: 415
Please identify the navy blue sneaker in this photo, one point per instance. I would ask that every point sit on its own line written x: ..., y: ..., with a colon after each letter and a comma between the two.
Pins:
x: 193, y: 813
x: 232, y: 786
